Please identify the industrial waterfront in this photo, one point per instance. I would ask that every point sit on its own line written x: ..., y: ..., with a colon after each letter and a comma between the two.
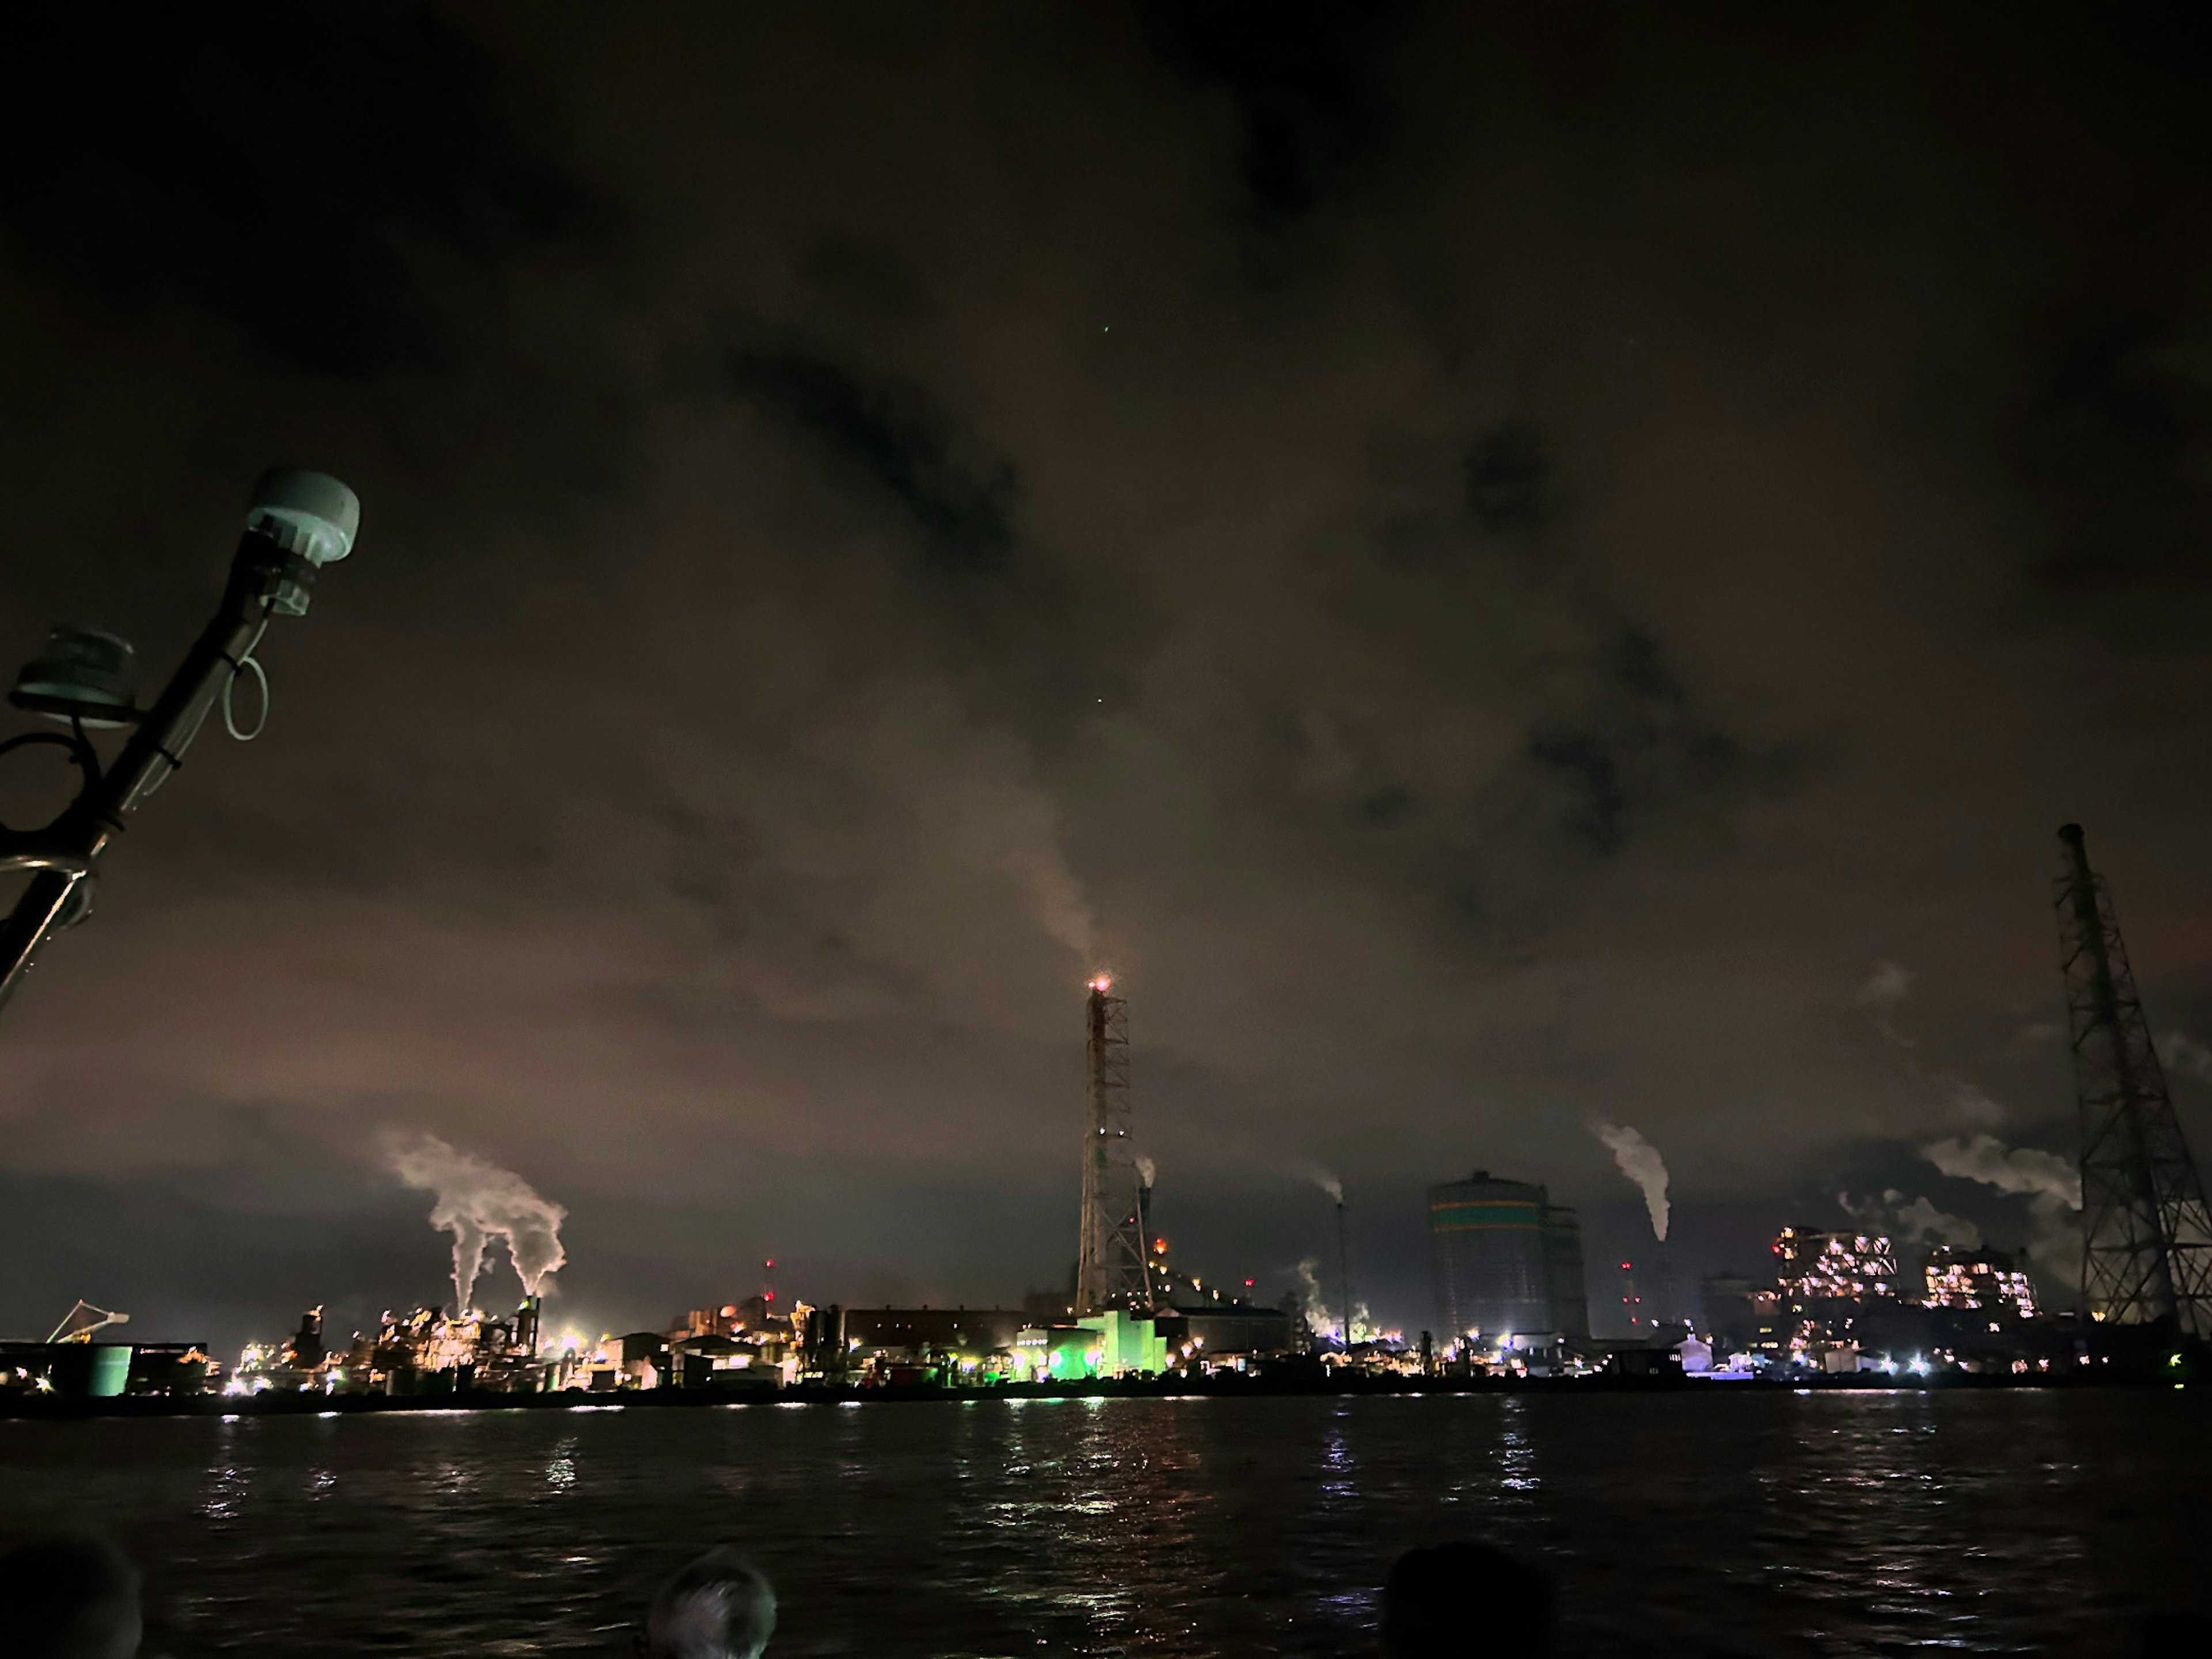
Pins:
x: 1509, y: 1278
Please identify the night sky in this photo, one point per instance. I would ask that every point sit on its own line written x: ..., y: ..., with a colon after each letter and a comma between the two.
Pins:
x: 1498, y: 570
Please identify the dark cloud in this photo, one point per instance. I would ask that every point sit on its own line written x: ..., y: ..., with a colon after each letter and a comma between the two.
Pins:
x: 2120, y: 442
x: 336, y: 183
x: 1046, y: 644
x: 1505, y: 479
x: 888, y: 435
x: 1311, y: 83
x: 1641, y: 746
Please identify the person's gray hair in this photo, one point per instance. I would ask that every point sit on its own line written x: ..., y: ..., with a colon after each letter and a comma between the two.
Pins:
x: 718, y: 1607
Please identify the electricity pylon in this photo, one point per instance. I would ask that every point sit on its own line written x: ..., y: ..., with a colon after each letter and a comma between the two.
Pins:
x: 2146, y: 1233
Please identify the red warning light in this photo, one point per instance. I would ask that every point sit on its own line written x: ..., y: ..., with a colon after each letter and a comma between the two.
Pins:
x: 1248, y: 1283
x: 1625, y: 1266
x: 771, y: 1262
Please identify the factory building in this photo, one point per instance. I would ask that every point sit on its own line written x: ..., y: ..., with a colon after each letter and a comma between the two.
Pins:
x: 1835, y: 1297
x: 1507, y: 1260
x: 1989, y: 1280
x: 1813, y: 1266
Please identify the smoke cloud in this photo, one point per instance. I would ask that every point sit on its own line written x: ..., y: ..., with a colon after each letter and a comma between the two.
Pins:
x: 1147, y: 1172
x: 997, y: 821
x: 1885, y: 989
x: 1055, y: 897
x: 2187, y: 1055
x: 1911, y: 1223
x: 1326, y: 1180
x: 1921, y: 1219
x: 2022, y: 1169
x: 2048, y: 1182
x: 1976, y: 1107
x: 478, y: 1201
x: 1885, y: 986
x: 1319, y: 1314
x: 1640, y: 1160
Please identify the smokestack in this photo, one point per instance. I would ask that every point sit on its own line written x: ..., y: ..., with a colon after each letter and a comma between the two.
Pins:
x: 1112, y: 1261
x: 1344, y: 1270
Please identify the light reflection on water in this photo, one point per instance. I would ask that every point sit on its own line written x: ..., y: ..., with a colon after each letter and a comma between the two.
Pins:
x: 1830, y: 1523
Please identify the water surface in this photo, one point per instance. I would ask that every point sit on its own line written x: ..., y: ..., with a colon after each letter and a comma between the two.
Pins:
x: 1833, y: 1523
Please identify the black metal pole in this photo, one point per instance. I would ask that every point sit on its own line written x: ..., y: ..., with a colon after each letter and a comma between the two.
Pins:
x: 65, y: 853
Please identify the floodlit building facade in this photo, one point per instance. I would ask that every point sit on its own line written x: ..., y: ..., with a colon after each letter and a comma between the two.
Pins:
x: 1826, y: 1285
x: 1987, y: 1280
x: 1826, y: 1267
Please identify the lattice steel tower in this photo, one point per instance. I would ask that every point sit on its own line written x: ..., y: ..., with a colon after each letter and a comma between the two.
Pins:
x: 1111, y: 1269
x: 2146, y: 1233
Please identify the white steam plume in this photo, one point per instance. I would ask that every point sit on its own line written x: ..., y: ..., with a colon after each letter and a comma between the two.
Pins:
x: 2050, y: 1183
x: 1318, y: 1313
x: 1922, y: 1219
x: 478, y: 1201
x: 2022, y: 1170
x: 1909, y: 1224
x: 1057, y: 896
x: 1640, y: 1160
x: 1327, y: 1180
x: 1147, y: 1172
x: 1000, y: 821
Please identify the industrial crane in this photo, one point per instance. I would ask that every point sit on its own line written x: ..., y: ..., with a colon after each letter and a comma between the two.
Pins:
x: 95, y: 1319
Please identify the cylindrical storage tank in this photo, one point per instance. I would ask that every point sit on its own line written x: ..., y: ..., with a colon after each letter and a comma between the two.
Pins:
x: 89, y: 1371
x: 111, y: 1370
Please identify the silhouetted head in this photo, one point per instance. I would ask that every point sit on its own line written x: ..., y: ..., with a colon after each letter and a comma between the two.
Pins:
x: 68, y: 1597
x: 718, y: 1607
x: 1448, y: 1600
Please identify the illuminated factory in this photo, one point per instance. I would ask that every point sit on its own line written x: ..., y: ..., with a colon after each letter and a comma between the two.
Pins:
x: 1986, y: 1280
x: 1826, y: 1267
x: 422, y: 1351
x: 1509, y: 1283
x: 1837, y: 1302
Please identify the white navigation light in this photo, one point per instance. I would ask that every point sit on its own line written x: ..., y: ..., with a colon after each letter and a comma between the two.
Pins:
x: 311, y: 515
